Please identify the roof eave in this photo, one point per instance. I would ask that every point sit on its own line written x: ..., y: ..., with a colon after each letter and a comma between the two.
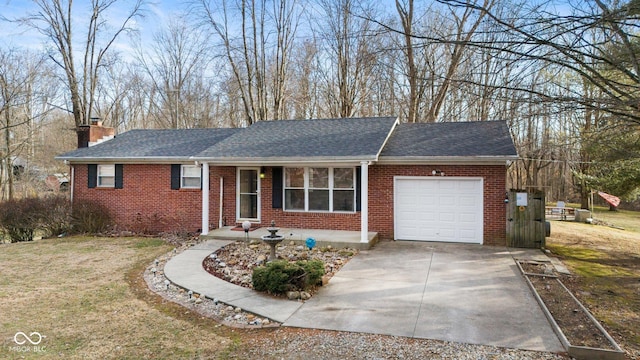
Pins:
x: 277, y: 161
x: 446, y: 160
x: 126, y: 160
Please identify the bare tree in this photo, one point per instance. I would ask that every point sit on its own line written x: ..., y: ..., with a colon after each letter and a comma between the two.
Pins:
x: 416, y: 89
x: 594, y: 40
x: 56, y: 20
x: 23, y: 102
x: 305, y: 80
x: 175, y: 64
x: 286, y: 16
x: 259, y: 66
x: 350, y: 56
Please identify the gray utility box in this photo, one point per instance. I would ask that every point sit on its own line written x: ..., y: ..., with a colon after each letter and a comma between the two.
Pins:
x: 582, y: 215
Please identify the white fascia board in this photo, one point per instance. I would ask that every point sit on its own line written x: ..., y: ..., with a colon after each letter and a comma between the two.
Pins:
x: 384, y: 143
x: 446, y: 160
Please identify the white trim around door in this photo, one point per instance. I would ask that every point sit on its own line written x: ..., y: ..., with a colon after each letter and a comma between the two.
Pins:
x: 248, y: 194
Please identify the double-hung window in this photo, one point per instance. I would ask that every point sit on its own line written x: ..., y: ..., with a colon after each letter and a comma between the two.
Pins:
x: 190, y: 177
x: 319, y: 189
x: 343, y: 189
x: 106, y: 175
x: 294, y: 188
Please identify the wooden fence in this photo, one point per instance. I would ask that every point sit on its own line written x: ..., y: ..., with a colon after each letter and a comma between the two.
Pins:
x: 526, y: 219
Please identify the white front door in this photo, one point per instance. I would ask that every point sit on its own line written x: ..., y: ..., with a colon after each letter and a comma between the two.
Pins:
x: 438, y: 209
x: 248, y: 194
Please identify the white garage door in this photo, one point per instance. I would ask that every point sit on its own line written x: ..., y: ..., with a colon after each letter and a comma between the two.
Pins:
x: 438, y: 209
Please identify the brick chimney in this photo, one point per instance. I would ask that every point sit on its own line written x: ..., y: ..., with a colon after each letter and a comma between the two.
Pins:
x: 89, y: 135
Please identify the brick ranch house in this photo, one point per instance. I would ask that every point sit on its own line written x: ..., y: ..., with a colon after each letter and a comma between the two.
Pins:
x: 433, y: 182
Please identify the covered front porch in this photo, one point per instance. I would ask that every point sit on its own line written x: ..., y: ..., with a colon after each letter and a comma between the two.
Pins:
x: 335, y: 238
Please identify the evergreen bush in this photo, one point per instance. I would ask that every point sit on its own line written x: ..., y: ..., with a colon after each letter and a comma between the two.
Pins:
x: 280, y: 276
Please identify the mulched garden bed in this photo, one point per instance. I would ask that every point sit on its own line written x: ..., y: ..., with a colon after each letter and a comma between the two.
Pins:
x: 575, y: 324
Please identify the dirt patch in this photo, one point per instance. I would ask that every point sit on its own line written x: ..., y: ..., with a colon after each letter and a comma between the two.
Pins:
x: 574, y: 322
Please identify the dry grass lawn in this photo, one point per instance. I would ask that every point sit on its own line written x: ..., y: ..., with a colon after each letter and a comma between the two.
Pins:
x: 606, y: 265
x: 86, y: 297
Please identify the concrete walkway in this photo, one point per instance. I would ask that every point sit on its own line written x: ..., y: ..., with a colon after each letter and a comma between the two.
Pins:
x: 185, y: 270
x: 462, y: 293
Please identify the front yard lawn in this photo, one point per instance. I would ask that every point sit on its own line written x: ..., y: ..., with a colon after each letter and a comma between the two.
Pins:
x: 605, y: 262
x: 85, y: 296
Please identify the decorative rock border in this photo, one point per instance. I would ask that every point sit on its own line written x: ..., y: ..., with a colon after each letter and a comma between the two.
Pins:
x: 576, y: 351
x: 215, y: 309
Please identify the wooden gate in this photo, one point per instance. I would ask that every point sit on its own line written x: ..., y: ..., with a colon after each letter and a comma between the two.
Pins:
x: 525, y: 219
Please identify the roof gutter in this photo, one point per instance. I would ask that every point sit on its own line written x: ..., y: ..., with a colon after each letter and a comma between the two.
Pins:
x: 126, y: 160
x: 446, y: 160
x: 283, y: 160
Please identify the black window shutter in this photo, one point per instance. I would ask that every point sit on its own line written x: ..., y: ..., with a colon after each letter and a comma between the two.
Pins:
x: 201, y: 172
x: 358, y: 188
x: 118, y: 181
x: 175, y: 176
x: 92, y: 175
x: 276, y: 188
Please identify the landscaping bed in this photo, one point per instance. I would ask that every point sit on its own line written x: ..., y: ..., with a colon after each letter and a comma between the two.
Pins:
x: 579, y: 332
x: 235, y: 262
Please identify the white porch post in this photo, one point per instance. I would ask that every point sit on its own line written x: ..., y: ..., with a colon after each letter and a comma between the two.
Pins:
x: 205, y: 198
x: 364, y: 201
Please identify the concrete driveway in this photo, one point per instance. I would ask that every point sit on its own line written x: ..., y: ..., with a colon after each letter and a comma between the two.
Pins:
x: 463, y: 293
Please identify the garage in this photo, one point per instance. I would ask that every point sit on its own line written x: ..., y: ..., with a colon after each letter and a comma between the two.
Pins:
x: 438, y: 209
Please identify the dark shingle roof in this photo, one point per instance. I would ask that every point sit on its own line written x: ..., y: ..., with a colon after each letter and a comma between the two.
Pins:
x: 353, y: 138
x: 144, y: 144
x: 450, y: 139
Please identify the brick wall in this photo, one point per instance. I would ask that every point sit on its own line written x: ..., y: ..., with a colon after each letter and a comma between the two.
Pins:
x: 146, y: 202
x: 337, y: 221
x: 381, y: 195
x: 228, y: 175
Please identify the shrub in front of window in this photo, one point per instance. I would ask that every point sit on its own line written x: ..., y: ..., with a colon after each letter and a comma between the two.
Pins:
x: 278, y: 277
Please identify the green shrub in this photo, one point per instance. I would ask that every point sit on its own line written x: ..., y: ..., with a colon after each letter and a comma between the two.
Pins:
x: 89, y: 217
x: 314, y: 270
x: 19, y: 219
x: 278, y: 277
